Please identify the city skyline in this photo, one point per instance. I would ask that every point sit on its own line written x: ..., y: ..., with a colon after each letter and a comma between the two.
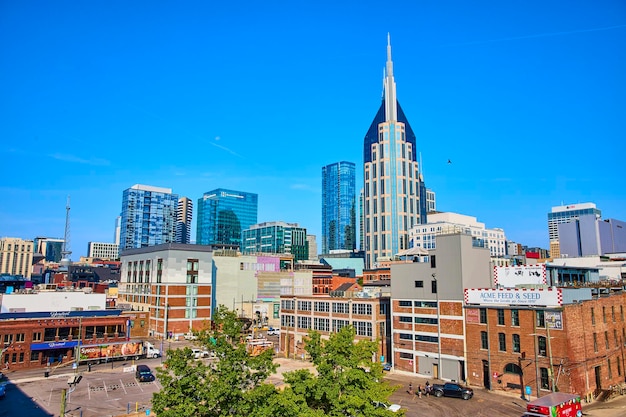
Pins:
x: 524, y: 101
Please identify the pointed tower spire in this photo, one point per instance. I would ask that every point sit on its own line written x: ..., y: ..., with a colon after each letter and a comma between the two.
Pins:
x: 391, y: 106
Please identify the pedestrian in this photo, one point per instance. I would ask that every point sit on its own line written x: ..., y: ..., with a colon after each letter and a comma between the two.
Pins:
x: 427, y: 389
x: 419, y: 391
x: 410, y: 388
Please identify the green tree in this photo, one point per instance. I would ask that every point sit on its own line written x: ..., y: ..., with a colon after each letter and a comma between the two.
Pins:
x: 231, y: 385
x: 347, y: 383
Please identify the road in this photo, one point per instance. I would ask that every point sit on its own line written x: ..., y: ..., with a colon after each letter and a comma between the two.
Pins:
x: 110, y: 391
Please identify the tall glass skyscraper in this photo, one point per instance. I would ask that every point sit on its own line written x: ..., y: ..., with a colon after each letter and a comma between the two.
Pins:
x: 394, y: 191
x: 223, y: 215
x: 148, y: 216
x: 338, y: 207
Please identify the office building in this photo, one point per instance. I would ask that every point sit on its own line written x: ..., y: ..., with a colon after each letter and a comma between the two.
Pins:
x: 563, y: 214
x: 589, y: 235
x: 103, y: 250
x: 49, y: 247
x: 424, y: 235
x: 276, y: 238
x: 338, y: 207
x: 223, y: 215
x: 312, y: 241
x: 16, y: 256
x: 184, y: 213
x: 148, y: 216
x: 394, y: 192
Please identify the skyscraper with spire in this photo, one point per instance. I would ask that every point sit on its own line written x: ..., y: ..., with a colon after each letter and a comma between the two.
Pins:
x: 394, y: 194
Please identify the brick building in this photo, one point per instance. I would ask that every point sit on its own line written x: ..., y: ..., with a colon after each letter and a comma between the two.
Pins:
x: 172, y: 281
x: 365, y: 310
x: 568, y: 340
x: 427, y: 316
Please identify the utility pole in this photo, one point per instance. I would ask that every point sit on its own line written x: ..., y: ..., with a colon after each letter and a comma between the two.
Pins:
x: 63, y: 398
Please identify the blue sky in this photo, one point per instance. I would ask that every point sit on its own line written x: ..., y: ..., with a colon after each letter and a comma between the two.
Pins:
x: 526, y: 98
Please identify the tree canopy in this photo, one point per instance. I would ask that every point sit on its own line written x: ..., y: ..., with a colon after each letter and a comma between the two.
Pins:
x: 347, y: 381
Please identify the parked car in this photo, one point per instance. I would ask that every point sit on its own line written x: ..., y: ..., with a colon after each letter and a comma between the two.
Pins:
x: 451, y: 389
x: 273, y: 332
x: 199, y: 353
x: 144, y: 374
x: 190, y: 336
x: 387, y: 367
x: 391, y: 407
x: 3, y: 390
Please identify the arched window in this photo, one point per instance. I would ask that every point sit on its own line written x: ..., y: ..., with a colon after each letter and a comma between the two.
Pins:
x: 512, y: 368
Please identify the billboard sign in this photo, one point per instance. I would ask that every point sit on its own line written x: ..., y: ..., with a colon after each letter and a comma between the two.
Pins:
x: 514, y: 296
x: 554, y: 320
x: 511, y: 276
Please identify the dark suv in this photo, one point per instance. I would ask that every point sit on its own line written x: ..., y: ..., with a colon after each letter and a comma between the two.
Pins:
x: 144, y: 374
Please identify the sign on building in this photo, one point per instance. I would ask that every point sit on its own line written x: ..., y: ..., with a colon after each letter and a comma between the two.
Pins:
x: 548, y: 297
x: 511, y: 276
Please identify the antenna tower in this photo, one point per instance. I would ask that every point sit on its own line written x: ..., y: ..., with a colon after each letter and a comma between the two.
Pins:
x: 66, y: 252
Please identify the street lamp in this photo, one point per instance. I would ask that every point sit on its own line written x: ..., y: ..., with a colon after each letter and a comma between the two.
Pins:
x: 436, y: 290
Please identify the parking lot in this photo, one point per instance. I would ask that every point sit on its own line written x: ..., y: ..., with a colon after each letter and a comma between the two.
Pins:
x: 112, y: 390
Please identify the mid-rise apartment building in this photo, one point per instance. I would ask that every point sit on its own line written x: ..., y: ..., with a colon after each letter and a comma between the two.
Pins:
x: 16, y: 256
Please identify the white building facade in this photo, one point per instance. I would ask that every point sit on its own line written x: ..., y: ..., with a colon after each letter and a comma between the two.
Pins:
x: 423, y: 235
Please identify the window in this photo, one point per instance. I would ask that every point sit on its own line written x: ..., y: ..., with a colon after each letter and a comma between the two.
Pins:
x: 304, y: 305
x: 426, y: 304
x: 19, y: 337
x: 621, y: 312
x: 405, y: 355
x: 502, y: 342
x: 36, y: 336
x: 34, y: 355
x: 363, y: 328
x: 608, y: 362
x: 405, y: 319
x: 484, y: 340
x: 192, y: 271
x: 541, y: 318
x: 613, y: 313
x: 8, y: 339
x: 619, y: 367
x: 429, y: 339
x: 339, y: 324
x: 304, y: 322
x: 433, y: 285
x: 362, y: 309
x: 433, y: 261
x: 545, y: 381
x: 425, y: 320
x: 501, y: 317
x: 593, y: 316
x: 405, y: 336
x: 604, y: 314
x: 514, y: 317
x: 511, y: 368
x: 541, y: 344
x: 321, y: 324
x: 404, y: 303
x: 615, y: 337
x: 595, y: 342
x: 342, y: 308
x: 516, y: 344
x: 419, y: 284
x: 21, y: 357
x: 321, y: 306
x: 606, y: 339
x: 483, y: 315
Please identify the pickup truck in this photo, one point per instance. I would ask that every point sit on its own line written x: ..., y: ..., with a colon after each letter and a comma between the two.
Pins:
x: 451, y: 389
